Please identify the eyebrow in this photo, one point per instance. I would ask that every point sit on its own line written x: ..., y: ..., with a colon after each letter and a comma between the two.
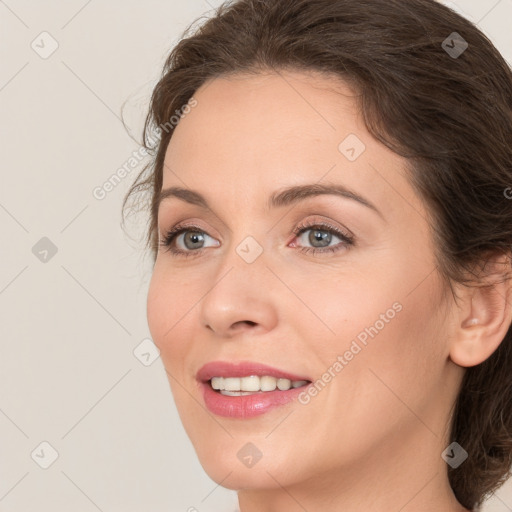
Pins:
x: 278, y: 199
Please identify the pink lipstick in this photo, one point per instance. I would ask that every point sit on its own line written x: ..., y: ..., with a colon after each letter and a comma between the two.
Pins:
x: 247, y: 389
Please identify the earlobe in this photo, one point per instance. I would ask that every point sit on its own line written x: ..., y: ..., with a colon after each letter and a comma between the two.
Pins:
x: 485, y: 315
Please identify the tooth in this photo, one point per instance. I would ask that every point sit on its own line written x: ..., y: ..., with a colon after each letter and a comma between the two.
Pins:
x: 251, y: 383
x: 268, y: 383
x: 235, y: 393
x: 218, y: 383
x: 284, y: 384
x: 232, y: 383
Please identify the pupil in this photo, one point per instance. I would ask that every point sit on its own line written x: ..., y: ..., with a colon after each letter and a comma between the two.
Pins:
x: 194, y: 237
x: 319, y: 236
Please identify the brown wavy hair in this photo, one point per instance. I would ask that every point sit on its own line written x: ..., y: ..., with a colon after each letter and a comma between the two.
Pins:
x: 449, y: 115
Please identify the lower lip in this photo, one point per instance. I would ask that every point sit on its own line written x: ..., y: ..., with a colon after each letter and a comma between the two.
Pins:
x: 247, y: 406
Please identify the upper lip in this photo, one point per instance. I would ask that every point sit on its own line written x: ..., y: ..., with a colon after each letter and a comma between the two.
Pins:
x: 242, y: 369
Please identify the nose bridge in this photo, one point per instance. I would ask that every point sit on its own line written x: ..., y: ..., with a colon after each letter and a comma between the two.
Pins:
x: 240, y: 293
x: 246, y: 260
x: 248, y: 242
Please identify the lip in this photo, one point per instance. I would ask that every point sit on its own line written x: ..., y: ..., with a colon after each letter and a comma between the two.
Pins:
x: 245, y: 406
x: 242, y: 369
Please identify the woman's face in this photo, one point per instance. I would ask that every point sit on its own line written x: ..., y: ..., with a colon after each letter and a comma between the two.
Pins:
x: 362, y: 320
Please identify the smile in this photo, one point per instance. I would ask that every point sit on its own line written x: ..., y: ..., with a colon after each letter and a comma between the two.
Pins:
x: 238, y: 386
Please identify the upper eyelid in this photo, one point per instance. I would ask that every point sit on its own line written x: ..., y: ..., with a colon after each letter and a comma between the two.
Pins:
x: 318, y: 219
x: 179, y: 226
x: 298, y: 230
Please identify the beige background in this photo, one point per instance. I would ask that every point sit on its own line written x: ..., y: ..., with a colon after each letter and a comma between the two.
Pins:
x: 72, y: 373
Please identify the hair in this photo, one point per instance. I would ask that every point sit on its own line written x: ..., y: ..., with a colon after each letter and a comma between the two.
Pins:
x: 449, y: 116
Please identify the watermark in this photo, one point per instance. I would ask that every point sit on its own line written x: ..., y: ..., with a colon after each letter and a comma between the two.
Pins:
x: 44, y: 45
x: 109, y: 185
x: 249, y: 455
x: 100, y: 192
x: 352, y: 147
x: 508, y: 193
x: 454, y: 455
x: 455, y: 45
x: 175, y: 119
x: 146, y: 352
x: 249, y: 249
x: 355, y: 348
x: 44, y: 250
x: 44, y: 454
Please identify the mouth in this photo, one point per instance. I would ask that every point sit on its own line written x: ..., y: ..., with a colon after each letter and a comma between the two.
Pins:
x: 248, y: 376
x: 250, y: 385
x: 247, y: 389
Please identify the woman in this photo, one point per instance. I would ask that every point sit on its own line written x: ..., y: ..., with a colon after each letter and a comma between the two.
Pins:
x: 330, y: 221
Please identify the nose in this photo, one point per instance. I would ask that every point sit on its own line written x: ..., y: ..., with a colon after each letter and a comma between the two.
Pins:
x: 240, y: 301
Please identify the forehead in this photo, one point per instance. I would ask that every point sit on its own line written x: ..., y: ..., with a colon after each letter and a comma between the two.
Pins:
x: 261, y: 132
x: 272, y: 109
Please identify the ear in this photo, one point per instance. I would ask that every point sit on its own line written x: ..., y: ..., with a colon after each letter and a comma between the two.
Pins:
x: 485, y: 314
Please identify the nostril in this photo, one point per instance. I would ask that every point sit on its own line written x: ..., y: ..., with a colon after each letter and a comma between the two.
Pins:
x: 242, y: 322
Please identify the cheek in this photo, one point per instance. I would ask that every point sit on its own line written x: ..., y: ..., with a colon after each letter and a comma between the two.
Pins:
x: 401, y: 357
x: 156, y: 310
x: 168, y: 302
x: 340, y: 307
x: 379, y: 328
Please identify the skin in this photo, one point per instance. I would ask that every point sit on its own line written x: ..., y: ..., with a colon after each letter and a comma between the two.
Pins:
x: 372, y: 439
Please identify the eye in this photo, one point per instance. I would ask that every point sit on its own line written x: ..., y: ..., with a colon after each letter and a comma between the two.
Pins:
x: 320, y: 236
x: 192, y: 237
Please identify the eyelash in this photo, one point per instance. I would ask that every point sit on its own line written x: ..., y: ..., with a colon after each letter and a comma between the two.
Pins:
x: 347, y: 240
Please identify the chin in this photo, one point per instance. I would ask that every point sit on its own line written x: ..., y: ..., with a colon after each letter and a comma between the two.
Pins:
x: 243, y: 478
x: 232, y: 471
